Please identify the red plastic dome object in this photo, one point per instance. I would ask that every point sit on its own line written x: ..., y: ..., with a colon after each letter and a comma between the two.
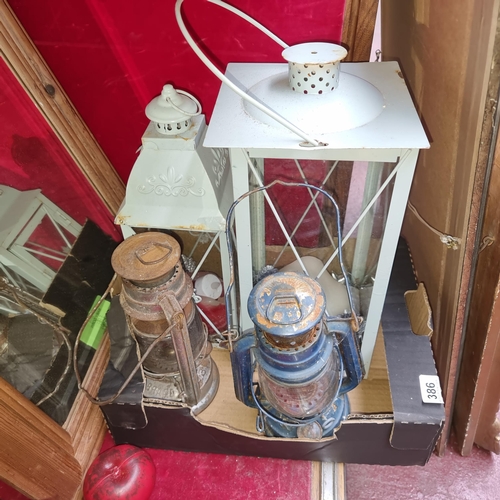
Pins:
x: 123, y: 472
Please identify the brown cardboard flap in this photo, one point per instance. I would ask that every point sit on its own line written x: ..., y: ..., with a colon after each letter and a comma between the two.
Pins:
x: 371, y: 397
x: 419, y: 310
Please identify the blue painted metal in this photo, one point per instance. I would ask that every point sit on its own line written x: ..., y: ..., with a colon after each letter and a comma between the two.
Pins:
x: 242, y: 368
x: 324, y: 349
x: 350, y: 350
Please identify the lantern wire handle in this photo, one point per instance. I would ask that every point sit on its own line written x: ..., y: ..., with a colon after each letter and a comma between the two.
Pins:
x: 198, y: 109
x: 250, y: 20
x: 310, y: 141
x: 229, y: 315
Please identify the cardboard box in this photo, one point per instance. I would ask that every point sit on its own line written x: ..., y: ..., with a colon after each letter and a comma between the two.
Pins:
x: 388, y: 424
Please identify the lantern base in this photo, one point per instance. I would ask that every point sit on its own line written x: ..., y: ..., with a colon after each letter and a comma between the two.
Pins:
x: 275, y: 424
x: 165, y: 388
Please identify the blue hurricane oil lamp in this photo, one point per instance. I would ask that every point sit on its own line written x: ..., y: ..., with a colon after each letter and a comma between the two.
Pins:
x: 298, y: 362
x: 296, y: 365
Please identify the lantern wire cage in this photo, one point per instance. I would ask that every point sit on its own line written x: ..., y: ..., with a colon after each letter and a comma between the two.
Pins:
x: 232, y: 300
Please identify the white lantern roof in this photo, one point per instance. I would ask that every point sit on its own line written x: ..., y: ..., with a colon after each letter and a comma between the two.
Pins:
x: 371, y: 111
x: 346, y: 107
x: 176, y: 183
x: 314, y: 53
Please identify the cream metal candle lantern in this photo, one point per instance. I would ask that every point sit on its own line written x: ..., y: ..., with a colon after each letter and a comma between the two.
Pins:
x: 309, y: 110
x: 174, y: 170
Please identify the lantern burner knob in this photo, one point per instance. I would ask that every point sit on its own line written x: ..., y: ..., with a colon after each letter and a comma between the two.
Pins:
x: 171, y: 112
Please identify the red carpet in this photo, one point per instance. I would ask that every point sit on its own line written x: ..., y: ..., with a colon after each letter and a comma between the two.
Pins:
x: 189, y: 476
x: 183, y: 476
x: 208, y: 476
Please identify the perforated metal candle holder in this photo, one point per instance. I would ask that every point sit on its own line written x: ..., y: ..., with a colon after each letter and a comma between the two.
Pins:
x: 314, y: 68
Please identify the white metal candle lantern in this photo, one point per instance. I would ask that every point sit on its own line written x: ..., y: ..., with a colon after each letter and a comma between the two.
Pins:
x: 177, y: 183
x: 306, y: 111
x: 174, y: 170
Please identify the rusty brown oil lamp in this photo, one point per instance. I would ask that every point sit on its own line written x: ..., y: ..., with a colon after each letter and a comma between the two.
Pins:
x: 157, y: 295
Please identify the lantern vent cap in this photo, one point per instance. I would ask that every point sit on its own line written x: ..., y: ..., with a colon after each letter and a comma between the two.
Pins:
x: 172, y: 110
x: 314, y: 68
x: 314, y: 53
x: 286, y: 304
x: 145, y: 257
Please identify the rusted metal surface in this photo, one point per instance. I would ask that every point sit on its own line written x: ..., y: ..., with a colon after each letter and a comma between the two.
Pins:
x: 286, y: 305
x: 295, y: 342
x: 146, y: 258
x: 142, y: 303
x: 183, y: 349
x: 156, y: 294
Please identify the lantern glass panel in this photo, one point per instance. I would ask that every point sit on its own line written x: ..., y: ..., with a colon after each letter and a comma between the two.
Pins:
x: 362, y: 191
x: 302, y: 400
x: 48, y: 242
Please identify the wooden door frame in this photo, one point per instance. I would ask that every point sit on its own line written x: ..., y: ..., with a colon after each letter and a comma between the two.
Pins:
x: 358, y: 26
x: 32, y: 72
x: 38, y: 457
x: 478, y: 391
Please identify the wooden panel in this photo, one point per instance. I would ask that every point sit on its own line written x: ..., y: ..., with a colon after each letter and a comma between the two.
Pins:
x: 477, y: 387
x: 34, y: 416
x: 358, y: 27
x: 85, y: 423
x: 35, y: 76
x: 36, y: 456
x: 445, y: 52
x: 83, y: 411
